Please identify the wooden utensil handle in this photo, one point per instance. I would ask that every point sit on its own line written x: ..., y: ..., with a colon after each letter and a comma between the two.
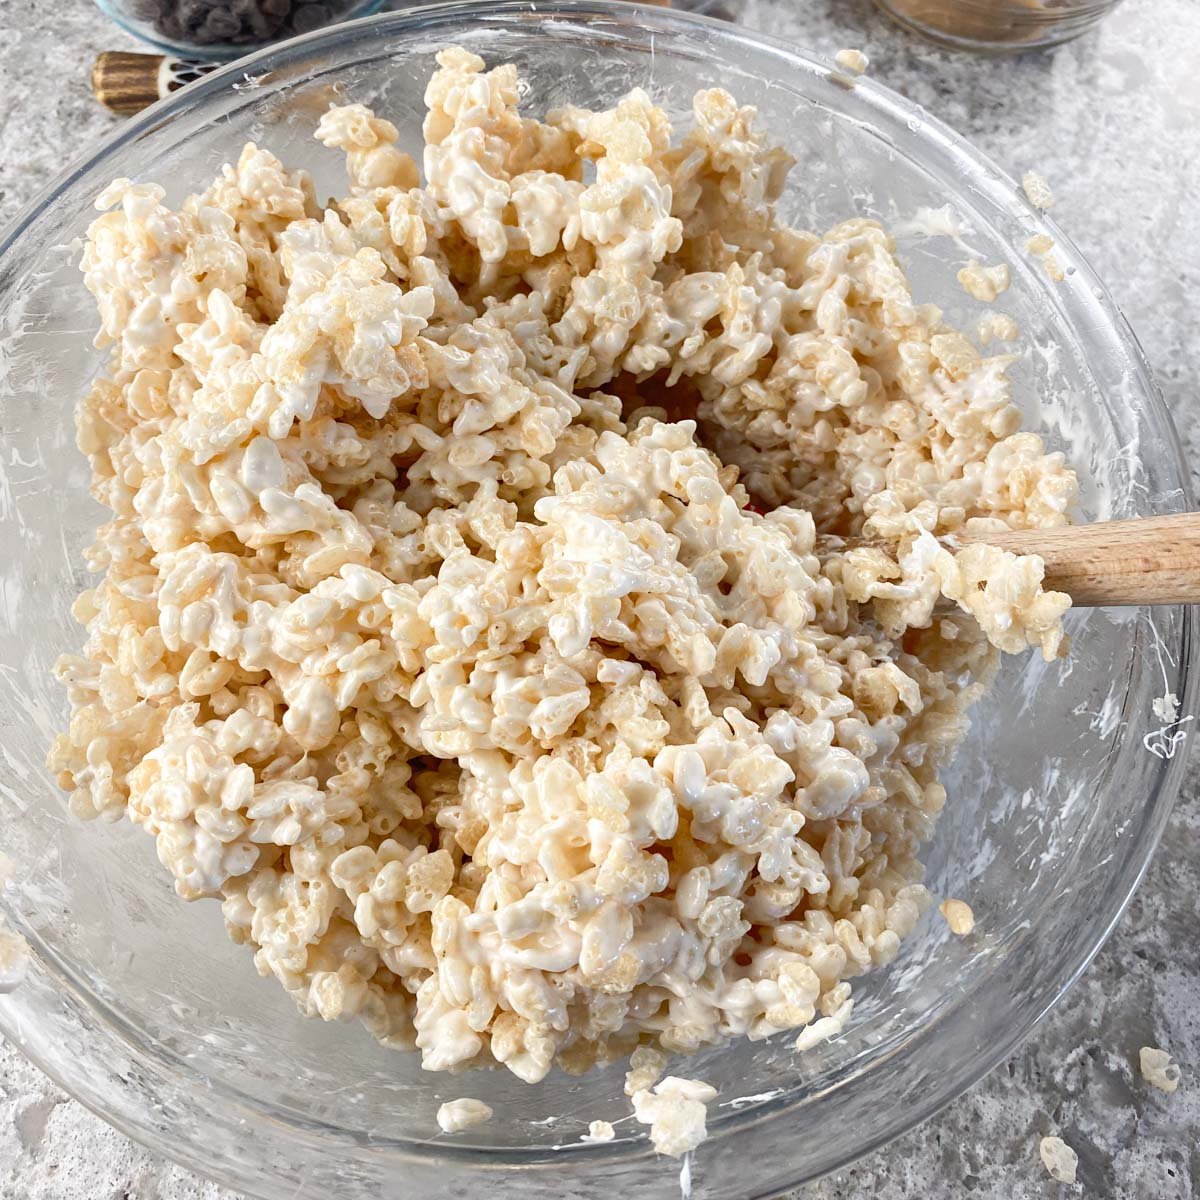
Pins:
x: 1149, y: 560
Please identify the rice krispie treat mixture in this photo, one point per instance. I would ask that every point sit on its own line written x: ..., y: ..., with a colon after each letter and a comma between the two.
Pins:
x: 473, y: 621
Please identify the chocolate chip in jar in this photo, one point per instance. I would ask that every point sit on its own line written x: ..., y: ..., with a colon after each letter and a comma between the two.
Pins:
x: 308, y: 17
x: 236, y: 22
x: 168, y: 24
x: 220, y: 25
x: 260, y: 22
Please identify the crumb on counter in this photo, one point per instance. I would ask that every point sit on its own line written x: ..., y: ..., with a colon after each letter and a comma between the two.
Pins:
x: 1037, y: 190
x: 959, y: 916
x: 1158, y: 1069
x: 1166, y: 707
x: 456, y: 1115
x: 599, y: 1131
x: 1059, y: 1159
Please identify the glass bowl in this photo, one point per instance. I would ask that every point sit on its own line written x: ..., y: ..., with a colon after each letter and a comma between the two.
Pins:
x: 139, y: 1006
x: 225, y: 29
x: 999, y: 26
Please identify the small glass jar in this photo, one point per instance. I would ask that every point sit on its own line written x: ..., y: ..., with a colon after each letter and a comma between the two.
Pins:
x: 225, y: 29
x: 998, y: 26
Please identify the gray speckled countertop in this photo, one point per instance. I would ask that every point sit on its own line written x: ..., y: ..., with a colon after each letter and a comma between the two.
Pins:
x: 1113, y: 120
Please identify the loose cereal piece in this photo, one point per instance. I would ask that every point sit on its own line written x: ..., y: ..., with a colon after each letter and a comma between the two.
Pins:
x: 958, y: 916
x: 984, y: 283
x: 824, y: 1028
x: 854, y: 61
x: 1157, y: 1068
x: 1037, y: 190
x: 1042, y: 245
x: 1059, y: 1159
x: 997, y: 326
x: 456, y: 1115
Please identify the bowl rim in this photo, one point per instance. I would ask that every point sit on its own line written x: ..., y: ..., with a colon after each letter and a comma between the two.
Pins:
x: 986, y: 177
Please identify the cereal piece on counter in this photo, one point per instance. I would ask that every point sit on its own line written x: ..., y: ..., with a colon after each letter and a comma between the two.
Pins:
x: 958, y: 916
x: 1157, y: 1068
x: 456, y: 1115
x: 1059, y: 1159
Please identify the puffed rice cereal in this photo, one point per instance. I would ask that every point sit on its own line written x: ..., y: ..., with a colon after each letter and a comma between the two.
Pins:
x: 463, y: 624
x: 456, y: 1115
x: 675, y: 1111
x: 854, y: 61
x: 599, y: 1131
x: 958, y: 916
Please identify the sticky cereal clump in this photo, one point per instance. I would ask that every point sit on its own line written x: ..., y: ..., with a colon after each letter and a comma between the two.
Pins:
x: 676, y: 1111
x: 461, y: 623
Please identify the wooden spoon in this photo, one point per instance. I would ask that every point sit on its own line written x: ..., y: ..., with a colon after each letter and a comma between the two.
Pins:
x: 1148, y: 560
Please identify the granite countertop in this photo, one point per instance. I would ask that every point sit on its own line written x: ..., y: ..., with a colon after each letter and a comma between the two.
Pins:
x: 1113, y: 120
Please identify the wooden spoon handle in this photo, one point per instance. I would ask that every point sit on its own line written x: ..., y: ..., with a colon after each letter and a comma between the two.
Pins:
x: 1149, y: 560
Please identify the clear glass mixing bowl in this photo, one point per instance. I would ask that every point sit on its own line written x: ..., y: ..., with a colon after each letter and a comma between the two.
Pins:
x: 139, y: 1005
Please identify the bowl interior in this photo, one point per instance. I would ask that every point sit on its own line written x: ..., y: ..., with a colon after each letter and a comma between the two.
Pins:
x: 1054, y: 800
